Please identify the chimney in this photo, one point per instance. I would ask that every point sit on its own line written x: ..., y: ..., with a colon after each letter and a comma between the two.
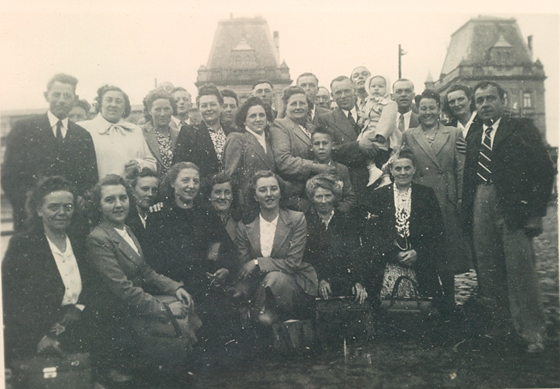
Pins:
x: 276, y: 37
x: 530, y: 44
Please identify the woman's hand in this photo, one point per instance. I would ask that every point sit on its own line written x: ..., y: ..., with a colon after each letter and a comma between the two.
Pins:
x: 184, y: 297
x: 220, y: 276
x: 247, y: 269
x: 360, y: 293
x: 325, y: 289
x: 408, y: 257
x: 49, y: 345
x: 131, y: 167
x: 178, y: 309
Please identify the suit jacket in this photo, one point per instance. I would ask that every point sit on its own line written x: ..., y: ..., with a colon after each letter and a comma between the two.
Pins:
x: 32, y: 152
x: 194, y: 144
x: 33, y: 289
x: 334, y: 252
x: 123, y: 278
x: 522, y: 171
x: 414, y: 122
x: 425, y: 227
x: 151, y: 139
x: 346, y: 149
x: 287, y: 249
x: 440, y: 167
x: 244, y: 156
x: 319, y: 111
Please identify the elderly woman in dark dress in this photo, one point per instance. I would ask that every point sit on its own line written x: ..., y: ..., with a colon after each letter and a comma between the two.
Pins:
x: 159, y: 107
x: 404, y: 230
x: 332, y: 241
x: 44, y: 278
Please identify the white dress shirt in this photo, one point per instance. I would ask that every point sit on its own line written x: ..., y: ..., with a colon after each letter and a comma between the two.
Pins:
x: 177, y: 121
x: 53, y: 120
x: 69, y: 272
x: 117, y: 144
x: 268, y: 230
x: 406, y: 117
x: 260, y: 138
x: 493, y: 132
x: 354, y: 113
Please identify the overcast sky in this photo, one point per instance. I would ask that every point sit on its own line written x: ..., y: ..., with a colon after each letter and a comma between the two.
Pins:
x: 130, y: 43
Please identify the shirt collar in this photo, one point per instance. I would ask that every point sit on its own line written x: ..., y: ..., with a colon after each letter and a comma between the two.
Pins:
x: 261, y: 136
x: 494, y: 125
x: 56, y: 250
x: 53, y: 120
x: 353, y: 110
x: 103, y: 125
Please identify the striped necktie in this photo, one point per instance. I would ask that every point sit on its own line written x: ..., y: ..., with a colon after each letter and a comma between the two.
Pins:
x: 484, y: 172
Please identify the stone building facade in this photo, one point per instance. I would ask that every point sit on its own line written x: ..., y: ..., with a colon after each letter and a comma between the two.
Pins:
x: 493, y: 49
x: 244, y: 51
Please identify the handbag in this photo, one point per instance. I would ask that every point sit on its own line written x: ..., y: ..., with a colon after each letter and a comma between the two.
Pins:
x: 410, y: 305
x: 53, y: 372
x: 166, y: 343
x: 343, y: 316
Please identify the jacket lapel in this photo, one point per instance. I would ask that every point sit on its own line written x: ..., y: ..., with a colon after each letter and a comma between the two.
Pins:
x: 343, y: 124
x: 283, y: 228
x: 256, y: 147
x: 419, y: 137
x: 300, y: 134
x: 124, y: 247
x: 502, y: 132
x: 442, y: 135
x: 151, y: 140
x: 254, y: 235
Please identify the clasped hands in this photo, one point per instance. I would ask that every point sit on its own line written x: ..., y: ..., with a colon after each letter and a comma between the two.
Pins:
x: 407, y: 257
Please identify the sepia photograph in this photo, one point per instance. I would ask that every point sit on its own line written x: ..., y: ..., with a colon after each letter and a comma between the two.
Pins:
x: 284, y: 195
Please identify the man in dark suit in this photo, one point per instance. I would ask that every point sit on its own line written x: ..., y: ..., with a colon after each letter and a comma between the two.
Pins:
x: 203, y: 144
x: 310, y: 84
x: 403, y: 95
x: 507, y: 184
x: 342, y: 122
x: 48, y: 145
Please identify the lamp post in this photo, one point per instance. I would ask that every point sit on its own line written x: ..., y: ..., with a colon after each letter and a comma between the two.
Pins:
x: 401, y: 53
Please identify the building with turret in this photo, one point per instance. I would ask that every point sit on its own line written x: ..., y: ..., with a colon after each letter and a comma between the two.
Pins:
x: 493, y: 49
x: 244, y: 51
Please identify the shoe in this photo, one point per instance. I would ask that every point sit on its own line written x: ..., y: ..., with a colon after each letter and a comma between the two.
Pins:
x: 534, y: 348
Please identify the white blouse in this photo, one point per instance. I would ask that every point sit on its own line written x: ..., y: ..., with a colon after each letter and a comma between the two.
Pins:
x: 267, y: 230
x: 116, y: 144
x: 69, y: 272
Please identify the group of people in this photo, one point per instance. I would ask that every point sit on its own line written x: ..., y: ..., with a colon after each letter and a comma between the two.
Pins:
x: 268, y: 210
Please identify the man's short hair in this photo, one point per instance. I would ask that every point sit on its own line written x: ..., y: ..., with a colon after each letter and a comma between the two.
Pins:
x: 230, y: 93
x: 339, y: 79
x: 403, y: 80
x: 209, y: 90
x: 179, y: 89
x: 486, y: 84
x: 307, y: 74
x: 63, y: 79
x: 83, y: 104
x: 262, y: 82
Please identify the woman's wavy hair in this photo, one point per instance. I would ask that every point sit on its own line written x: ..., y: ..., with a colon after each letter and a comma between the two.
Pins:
x: 108, y: 88
x: 167, y: 194
x: 93, y: 198
x: 241, y: 115
x: 253, y: 208
x: 36, y: 198
x: 468, y: 92
x: 325, y: 181
x: 222, y: 178
x: 289, y: 92
x: 154, y: 95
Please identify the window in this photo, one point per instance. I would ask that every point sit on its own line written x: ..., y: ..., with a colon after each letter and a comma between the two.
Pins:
x: 527, y: 101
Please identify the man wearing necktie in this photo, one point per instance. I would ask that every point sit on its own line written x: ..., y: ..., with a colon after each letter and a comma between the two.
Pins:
x: 507, y: 184
x: 359, y: 76
x: 48, y: 145
x: 310, y: 84
x: 347, y: 150
x: 403, y: 95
